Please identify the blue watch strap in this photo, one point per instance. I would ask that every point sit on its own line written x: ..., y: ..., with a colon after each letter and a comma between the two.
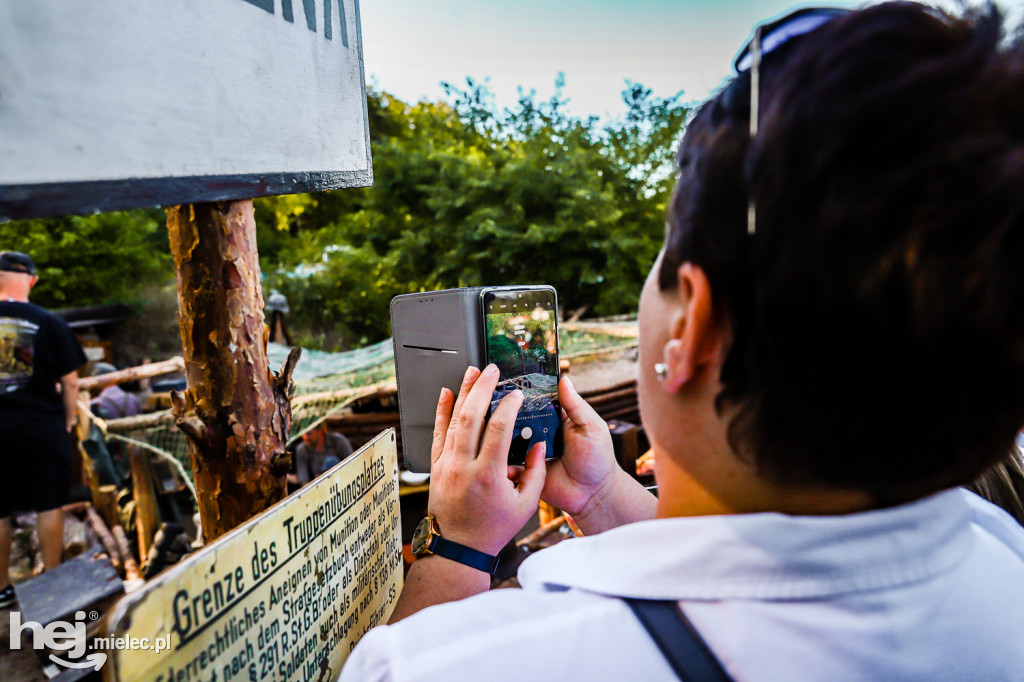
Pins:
x: 464, y: 555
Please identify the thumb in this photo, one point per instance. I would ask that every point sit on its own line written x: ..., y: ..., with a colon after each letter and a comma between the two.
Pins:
x: 579, y: 410
x: 531, y: 481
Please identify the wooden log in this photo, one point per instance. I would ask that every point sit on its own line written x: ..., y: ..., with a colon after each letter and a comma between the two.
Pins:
x: 583, y: 355
x: 532, y: 541
x: 76, y: 538
x: 98, y: 383
x: 547, y: 513
x: 235, y: 413
x: 76, y: 508
x: 384, y: 389
x: 131, y: 566
x: 605, y: 397
x: 106, y: 539
x: 369, y: 419
x: 626, y: 414
x: 624, y: 440
x: 147, y: 512
x: 104, y: 499
x: 614, y: 388
x: 139, y: 421
x: 81, y: 463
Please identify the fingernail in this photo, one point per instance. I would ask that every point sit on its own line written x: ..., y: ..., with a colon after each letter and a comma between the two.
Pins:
x: 471, y: 371
x: 442, y: 396
x: 568, y: 381
x: 491, y: 369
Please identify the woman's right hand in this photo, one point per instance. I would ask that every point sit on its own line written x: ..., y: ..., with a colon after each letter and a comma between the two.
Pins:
x: 587, y: 482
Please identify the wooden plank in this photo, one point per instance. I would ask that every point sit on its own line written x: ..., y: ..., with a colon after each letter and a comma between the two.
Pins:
x: 147, y: 513
x: 104, y: 498
x: 75, y: 585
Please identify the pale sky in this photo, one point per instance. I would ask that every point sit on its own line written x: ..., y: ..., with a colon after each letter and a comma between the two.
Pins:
x: 668, y: 45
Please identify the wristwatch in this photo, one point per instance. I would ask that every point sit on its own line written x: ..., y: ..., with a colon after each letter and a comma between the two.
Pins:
x: 426, y: 540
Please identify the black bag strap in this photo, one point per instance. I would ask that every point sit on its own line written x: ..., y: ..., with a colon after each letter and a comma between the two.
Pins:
x: 678, y: 640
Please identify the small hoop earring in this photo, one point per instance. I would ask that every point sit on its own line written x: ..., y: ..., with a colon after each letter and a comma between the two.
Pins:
x: 661, y: 369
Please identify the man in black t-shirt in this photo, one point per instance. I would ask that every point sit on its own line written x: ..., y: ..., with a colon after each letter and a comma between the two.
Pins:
x: 38, y: 352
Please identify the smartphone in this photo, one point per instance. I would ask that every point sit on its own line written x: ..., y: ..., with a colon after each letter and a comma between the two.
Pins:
x: 521, y: 337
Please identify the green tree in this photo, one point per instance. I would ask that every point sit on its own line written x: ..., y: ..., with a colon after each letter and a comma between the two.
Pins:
x: 466, y: 195
x: 85, y: 260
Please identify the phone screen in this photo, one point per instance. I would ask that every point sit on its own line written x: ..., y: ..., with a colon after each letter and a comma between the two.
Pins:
x: 522, y: 340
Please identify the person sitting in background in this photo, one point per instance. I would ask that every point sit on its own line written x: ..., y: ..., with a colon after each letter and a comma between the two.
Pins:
x: 113, y: 402
x: 319, y: 451
x: 831, y: 343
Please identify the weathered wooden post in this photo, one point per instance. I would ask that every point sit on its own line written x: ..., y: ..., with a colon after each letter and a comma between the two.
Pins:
x: 235, y: 413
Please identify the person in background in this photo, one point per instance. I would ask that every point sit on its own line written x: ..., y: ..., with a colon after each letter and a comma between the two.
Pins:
x: 319, y: 450
x: 113, y: 402
x: 831, y: 344
x: 39, y: 362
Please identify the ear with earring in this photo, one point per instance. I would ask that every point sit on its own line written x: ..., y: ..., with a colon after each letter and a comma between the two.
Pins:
x: 669, y: 384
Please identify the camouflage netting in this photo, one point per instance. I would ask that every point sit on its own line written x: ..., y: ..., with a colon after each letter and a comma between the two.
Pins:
x: 326, y: 383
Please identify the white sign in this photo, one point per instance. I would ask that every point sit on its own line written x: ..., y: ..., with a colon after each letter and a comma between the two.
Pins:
x: 285, y: 596
x: 128, y: 103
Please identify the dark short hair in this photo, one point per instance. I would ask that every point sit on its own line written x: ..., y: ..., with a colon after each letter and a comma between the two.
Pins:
x: 877, y: 315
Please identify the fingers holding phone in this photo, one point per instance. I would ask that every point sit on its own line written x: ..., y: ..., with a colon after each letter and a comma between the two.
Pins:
x: 471, y: 494
x: 588, y: 460
x: 587, y: 482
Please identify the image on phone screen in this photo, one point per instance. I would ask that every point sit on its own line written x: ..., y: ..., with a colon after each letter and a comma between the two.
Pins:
x: 522, y: 340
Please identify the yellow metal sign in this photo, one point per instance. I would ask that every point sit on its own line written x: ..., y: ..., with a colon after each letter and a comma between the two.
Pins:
x: 285, y: 596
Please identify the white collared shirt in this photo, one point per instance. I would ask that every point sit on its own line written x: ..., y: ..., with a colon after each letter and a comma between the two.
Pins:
x: 932, y: 590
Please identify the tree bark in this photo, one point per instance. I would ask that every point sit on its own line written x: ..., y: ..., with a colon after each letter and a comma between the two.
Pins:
x: 234, y: 412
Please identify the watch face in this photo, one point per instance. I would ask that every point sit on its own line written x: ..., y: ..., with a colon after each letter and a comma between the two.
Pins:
x: 420, y: 537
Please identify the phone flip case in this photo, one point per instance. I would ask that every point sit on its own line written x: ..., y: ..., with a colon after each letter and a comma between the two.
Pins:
x: 437, y: 336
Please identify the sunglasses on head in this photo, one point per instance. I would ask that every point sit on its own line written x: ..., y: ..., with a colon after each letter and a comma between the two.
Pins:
x: 766, y: 38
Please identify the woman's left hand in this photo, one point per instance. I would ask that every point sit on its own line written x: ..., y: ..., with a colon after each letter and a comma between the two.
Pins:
x: 478, y: 500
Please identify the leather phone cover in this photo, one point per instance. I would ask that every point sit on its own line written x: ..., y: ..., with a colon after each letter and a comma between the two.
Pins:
x: 437, y: 336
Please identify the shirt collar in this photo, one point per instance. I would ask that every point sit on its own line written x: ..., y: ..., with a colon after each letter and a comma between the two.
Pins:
x: 762, y: 556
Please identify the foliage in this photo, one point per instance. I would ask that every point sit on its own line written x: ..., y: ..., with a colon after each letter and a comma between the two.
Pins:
x: 151, y: 332
x: 465, y: 195
x: 84, y: 260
